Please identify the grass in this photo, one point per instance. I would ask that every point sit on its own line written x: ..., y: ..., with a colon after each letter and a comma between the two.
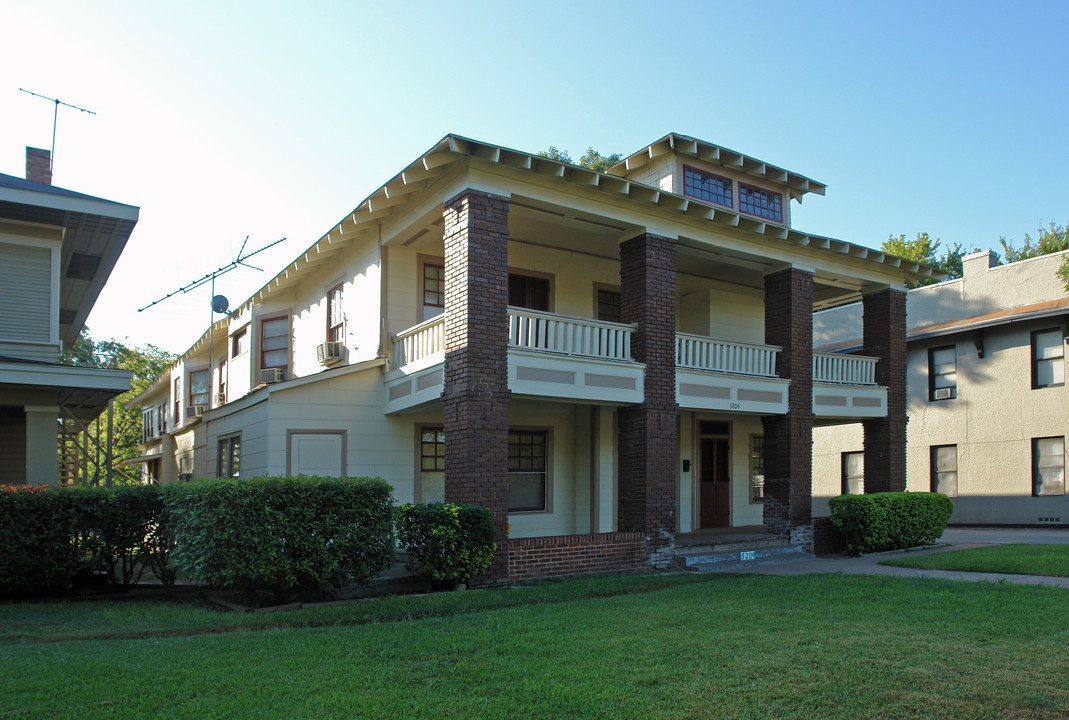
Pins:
x: 1016, y: 559
x: 830, y: 646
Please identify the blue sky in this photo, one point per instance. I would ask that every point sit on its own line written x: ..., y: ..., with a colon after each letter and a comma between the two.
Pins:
x: 227, y: 119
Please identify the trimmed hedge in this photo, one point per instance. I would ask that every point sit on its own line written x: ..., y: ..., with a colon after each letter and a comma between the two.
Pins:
x: 39, y: 540
x: 891, y: 520
x: 287, y: 535
x: 448, y: 542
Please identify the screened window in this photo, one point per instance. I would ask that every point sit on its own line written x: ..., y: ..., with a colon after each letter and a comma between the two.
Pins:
x: 432, y: 465
x: 760, y: 202
x: 239, y: 342
x: 944, y: 463
x: 757, y: 468
x: 229, y: 457
x: 274, y: 343
x: 199, y: 387
x: 942, y: 373
x: 853, y: 473
x: 1048, y: 466
x: 527, y: 462
x: 1048, y: 358
x: 708, y: 187
x: 609, y: 305
x: 335, y: 317
x: 177, y: 401
x: 529, y: 292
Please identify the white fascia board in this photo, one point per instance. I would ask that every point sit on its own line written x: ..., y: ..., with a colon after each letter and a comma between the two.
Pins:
x: 66, y: 376
x: 89, y: 206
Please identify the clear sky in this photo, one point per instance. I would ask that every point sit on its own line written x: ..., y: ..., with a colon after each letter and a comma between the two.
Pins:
x: 222, y: 120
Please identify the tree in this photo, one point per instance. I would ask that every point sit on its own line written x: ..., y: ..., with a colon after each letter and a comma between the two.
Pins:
x: 1051, y: 239
x: 591, y: 159
x: 145, y: 363
x: 925, y: 250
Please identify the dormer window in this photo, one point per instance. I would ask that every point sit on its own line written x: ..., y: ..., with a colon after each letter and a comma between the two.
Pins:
x: 760, y: 202
x: 708, y: 187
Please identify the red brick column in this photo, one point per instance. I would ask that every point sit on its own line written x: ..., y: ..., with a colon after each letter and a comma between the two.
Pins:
x: 789, y: 438
x: 648, y: 434
x: 475, y: 396
x: 885, y: 438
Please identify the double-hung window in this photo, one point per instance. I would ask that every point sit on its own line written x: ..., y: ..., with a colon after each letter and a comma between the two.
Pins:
x: 942, y: 373
x: 199, y: 387
x: 432, y: 465
x: 609, y: 305
x: 275, y: 343
x: 229, y: 465
x: 433, y: 290
x: 527, y: 466
x: 1048, y: 466
x: 335, y: 316
x: 944, y: 469
x: 1048, y: 358
x: 529, y: 292
x: 853, y: 473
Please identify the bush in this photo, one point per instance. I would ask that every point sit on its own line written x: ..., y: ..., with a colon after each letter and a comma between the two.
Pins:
x: 448, y: 542
x: 39, y: 540
x: 287, y: 535
x: 890, y: 521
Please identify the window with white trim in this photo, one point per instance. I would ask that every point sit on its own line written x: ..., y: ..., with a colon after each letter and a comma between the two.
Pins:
x: 944, y: 469
x: 1048, y: 466
x: 432, y: 464
x: 942, y: 373
x: 1048, y: 358
x: 199, y: 387
x: 275, y: 343
x: 335, y: 316
x: 853, y: 473
x: 528, y: 462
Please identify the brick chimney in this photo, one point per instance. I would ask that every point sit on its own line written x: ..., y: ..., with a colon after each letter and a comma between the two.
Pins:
x: 39, y: 165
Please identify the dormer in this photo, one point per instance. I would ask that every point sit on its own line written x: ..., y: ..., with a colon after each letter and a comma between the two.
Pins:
x: 718, y: 176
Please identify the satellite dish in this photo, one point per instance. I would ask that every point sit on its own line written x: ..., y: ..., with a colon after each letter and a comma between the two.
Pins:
x: 220, y: 304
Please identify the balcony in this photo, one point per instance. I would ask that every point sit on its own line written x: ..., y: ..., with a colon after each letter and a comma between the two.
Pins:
x: 844, y: 386
x: 549, y: 355
x: 731, y: 376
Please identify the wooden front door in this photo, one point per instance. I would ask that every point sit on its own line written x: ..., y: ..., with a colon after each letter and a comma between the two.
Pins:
x: 715, y: 483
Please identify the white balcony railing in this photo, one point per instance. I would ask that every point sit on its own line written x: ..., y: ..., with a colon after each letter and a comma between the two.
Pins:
x: 844, y: 369
x: 702, y: 353
x: 420, y: 341
x: 534, y: 330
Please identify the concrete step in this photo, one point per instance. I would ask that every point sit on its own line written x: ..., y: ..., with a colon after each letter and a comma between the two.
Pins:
x: 723, y: 559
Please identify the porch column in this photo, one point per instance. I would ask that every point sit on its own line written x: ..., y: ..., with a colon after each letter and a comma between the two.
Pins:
x: 788, y: 440
x: 885, y: 438
x: 42, y: 445
x: 475, y: 396
x: 648, y: 435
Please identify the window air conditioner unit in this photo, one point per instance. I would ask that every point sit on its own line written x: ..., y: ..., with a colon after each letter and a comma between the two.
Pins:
x: 272, y: 375
x: 329, y: 352
x: 942, y: 394
x: 220, y: 399
x: 195, y: 411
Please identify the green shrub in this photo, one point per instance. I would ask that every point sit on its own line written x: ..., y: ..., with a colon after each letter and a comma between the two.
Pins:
x: 287, y: 535
x: 448, y: 542
x: 890, y: 521
x: 39, y: 540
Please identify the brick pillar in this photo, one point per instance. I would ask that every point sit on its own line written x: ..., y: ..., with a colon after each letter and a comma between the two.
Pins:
x: 475, y: 396
x: 648, y: 434
x: 885, y: 438
x: 789, y: 438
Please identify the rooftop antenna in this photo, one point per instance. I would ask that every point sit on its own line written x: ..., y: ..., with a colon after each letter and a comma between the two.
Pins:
x: 219, y: 303
x: 55, y: 115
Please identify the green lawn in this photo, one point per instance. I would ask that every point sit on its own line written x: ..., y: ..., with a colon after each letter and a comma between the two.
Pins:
x: 1009, y: 559
x: 815, y: 646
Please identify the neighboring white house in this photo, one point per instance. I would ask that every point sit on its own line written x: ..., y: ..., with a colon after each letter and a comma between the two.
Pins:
x: 587, y: 353
x: 988, y: 404
x: 57, y: 249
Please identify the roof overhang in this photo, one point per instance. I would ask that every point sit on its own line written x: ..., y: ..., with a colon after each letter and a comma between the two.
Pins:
x: 95, y: 233
x: 82, y: 391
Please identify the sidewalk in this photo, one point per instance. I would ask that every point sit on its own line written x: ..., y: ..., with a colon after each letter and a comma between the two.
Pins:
x: 952, y: 539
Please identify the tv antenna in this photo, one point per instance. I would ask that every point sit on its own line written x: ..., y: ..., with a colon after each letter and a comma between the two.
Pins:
x: 219, y: 303
x: 55, y: 115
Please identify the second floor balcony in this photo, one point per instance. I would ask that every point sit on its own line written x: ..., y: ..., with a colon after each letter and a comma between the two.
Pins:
x: 579, y: 359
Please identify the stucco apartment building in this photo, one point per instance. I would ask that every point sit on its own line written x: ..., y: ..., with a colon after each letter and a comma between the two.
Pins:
x: 57, y: 249
x: 604, y: 359
x: 988, y: 406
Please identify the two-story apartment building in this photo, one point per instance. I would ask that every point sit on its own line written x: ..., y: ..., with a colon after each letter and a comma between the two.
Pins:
x: 988, y: 406
x: 57, y: 248
x: 601, y: 358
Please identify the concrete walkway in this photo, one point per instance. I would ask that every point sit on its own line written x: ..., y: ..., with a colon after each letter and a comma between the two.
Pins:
x: 952, y: 539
